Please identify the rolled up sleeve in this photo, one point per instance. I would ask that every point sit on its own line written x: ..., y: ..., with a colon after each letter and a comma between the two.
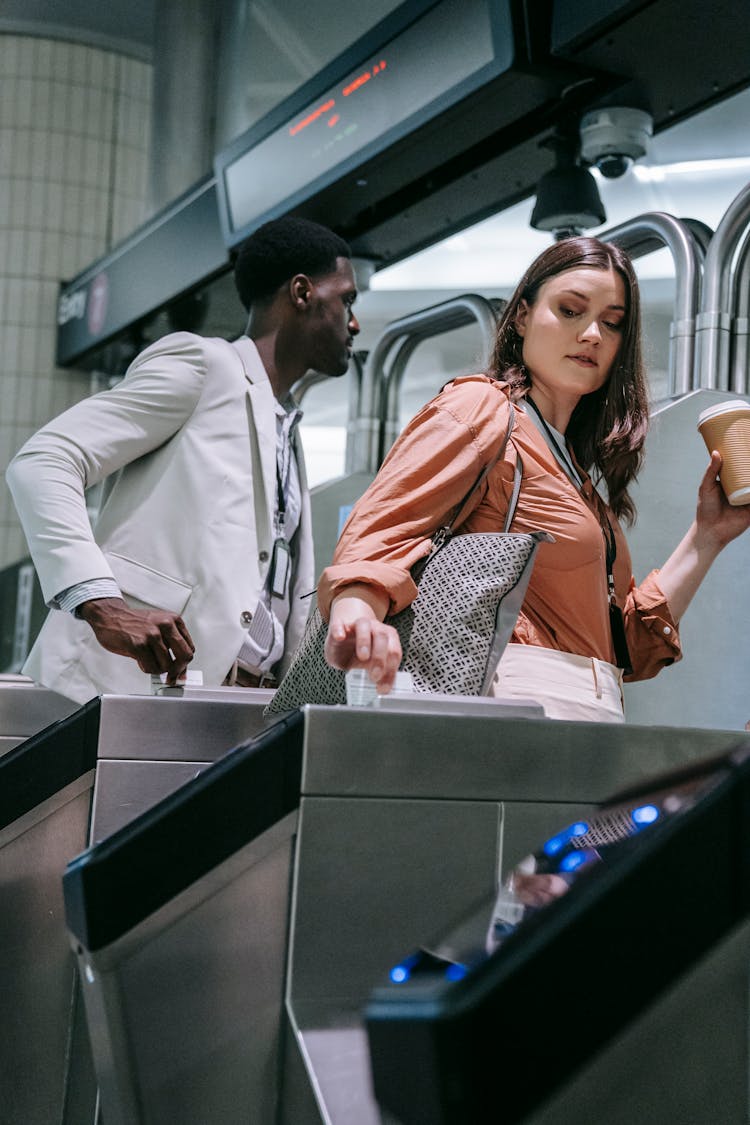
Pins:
x: 652, y: 632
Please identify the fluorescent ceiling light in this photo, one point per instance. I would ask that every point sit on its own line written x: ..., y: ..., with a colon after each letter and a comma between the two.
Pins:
x: 657, y: 173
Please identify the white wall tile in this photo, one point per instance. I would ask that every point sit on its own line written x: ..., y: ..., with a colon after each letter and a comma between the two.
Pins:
x: 57, y: 139
x: 24, y: 93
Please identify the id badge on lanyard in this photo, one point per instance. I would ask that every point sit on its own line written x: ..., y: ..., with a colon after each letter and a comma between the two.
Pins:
x: 281, y: 557
x: 281, y: 568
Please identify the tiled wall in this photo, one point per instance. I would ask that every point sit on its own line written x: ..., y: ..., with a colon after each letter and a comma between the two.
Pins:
x: 74, y: 143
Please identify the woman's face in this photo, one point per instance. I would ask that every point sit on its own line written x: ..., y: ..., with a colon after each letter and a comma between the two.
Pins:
x: 572, y: 333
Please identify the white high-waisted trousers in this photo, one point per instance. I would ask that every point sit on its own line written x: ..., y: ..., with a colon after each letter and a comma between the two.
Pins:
x: 568, y: 686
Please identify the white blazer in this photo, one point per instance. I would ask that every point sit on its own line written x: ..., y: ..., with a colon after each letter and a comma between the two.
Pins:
x: 187, y: 442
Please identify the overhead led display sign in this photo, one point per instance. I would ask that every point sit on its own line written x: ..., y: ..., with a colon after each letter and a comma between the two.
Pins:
x: 399, y: 84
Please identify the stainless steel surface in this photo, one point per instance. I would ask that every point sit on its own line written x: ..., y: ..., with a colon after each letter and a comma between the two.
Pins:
x: 185, y: 1009
x: 435, y: 703
x: 151, y: 745
x: 406, y: 821
x: 641, y: 236
x: 7, y: 744
x: 37, y: 970
x: 26, y: 709
x: 362, y: 752
x: 714, y: 321
x: 373, y: 878
x: 199, y: 727
x: 123, y: 789
x: 710, y: 686
x: 684, y: 1060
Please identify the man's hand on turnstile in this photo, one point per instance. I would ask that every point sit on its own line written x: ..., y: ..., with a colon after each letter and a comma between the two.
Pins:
x: 159, y: 641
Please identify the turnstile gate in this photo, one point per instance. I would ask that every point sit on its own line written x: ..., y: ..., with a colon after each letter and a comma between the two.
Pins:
x: 406, y: 817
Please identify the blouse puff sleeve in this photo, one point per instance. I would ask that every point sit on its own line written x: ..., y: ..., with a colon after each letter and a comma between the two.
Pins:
x: 426, y: 474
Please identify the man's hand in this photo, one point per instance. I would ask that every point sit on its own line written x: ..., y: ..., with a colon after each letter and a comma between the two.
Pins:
x: 157, y: 640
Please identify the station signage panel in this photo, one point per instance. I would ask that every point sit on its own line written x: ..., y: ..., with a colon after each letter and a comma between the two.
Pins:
x: 398, y: 85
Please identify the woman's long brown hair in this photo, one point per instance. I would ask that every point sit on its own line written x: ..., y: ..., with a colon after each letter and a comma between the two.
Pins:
x: 608, y: 427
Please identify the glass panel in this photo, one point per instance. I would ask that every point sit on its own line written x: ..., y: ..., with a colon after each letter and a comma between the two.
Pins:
x: 269, y: 48
x: 360, y: 109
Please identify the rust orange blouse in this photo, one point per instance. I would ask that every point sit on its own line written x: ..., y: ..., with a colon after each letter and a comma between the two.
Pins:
x: 427, y: 473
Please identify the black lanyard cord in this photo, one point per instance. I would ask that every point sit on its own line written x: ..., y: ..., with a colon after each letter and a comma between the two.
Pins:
x: 616, y: 619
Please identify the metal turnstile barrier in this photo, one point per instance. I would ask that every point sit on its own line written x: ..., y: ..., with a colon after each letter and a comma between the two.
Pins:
x: 73, y: 782
x: 45, y: 800
x: 404, y: 819
x: 179, y: 923
x: 25, y: 709
x: 621, y: 999
x: 373, y: 406
x: 408, y: 811
x: 376, y: 425
x: 151, y: 745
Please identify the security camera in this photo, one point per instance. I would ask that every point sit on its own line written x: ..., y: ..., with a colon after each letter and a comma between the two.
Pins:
x: 613, y: 137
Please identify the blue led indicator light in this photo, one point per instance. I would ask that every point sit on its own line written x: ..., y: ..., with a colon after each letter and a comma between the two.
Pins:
x: 555, y: 843
x: 646, y: 814
x: 399, y: 974
x: 572, y: 861
x: 456, y: 972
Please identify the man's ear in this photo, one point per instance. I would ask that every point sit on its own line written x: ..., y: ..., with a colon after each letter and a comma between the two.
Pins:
x: 300, y: 290
x: 521, y: 316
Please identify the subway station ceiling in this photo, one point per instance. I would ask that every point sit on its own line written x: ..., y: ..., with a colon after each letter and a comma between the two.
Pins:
x: 687, y: 62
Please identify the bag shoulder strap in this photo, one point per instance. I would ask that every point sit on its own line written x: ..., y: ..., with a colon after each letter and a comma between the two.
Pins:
x: 517, y: 475
x: 447, y: 529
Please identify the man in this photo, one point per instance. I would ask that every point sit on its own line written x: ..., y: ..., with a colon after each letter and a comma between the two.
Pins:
x: 202, y: 549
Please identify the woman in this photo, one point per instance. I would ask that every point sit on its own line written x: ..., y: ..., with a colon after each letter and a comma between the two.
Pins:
x: 568, y: 354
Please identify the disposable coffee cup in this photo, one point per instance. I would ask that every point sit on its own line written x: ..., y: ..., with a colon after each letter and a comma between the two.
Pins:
x: 726, y: 427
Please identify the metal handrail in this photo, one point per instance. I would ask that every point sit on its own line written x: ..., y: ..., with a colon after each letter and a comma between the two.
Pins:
x: 739, y: 365
x: 650, y: 232
x: 368, y: 437
x: 714, y: 320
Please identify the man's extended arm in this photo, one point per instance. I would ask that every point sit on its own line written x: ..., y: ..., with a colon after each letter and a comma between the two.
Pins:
x: 49, y: 476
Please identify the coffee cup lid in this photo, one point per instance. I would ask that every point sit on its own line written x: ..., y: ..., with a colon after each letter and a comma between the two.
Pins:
x: 722, y: 408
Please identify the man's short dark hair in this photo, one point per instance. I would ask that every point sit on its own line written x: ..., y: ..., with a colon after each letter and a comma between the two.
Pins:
x: 280, y: 249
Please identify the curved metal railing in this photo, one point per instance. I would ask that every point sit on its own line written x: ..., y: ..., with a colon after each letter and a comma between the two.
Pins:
x: 380, y: 385
x: 714, y: 321
x: 686, y: 242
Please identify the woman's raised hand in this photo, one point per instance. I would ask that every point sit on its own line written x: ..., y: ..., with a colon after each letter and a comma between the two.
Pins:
x: 716, y: 519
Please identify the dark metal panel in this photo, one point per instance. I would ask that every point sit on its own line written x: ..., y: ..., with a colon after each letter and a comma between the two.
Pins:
x: 177, y: 250
x: 679, y: 55
x: 47, y: 762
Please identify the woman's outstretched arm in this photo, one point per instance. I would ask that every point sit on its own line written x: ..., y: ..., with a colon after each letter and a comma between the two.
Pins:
x: 716, y: 524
